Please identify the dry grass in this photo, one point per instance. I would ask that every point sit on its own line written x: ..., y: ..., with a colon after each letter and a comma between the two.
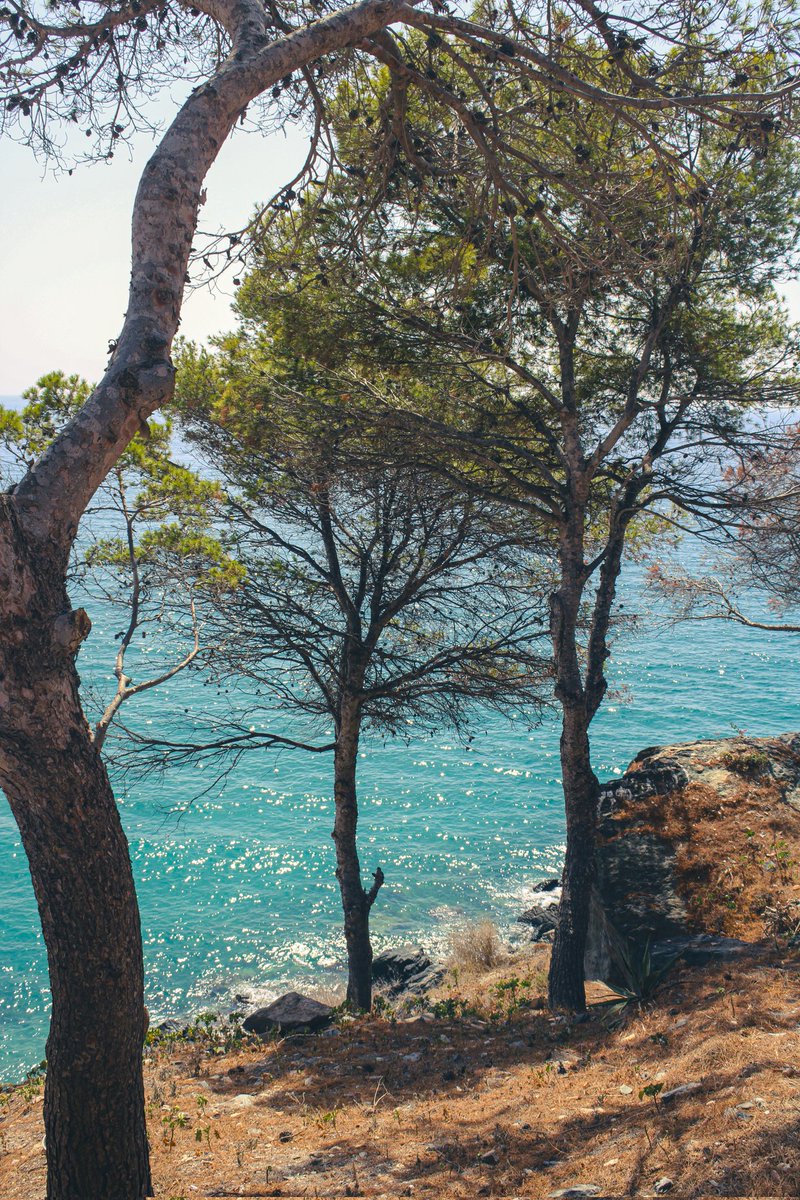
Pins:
x: 475, y: 948
x: 503, y: 1100
x: 737, y: 853
x: 328, y: 993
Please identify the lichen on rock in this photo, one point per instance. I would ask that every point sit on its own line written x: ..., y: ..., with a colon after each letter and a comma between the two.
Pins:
x: 697, y: 841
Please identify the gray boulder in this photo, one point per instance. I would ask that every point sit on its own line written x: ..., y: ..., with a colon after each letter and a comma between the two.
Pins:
x: 290, y: 1014
x: 540, y: 920
x: 406, y: 969
x: 171, y: 1025
x: 645, y: 892
x: 547, y: 885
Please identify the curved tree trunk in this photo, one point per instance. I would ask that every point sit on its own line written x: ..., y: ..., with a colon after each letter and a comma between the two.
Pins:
x: 49, y: 769
x: 356, y: 902
x: 566, y: 979
x: 61, y: 798
x: 140, y: 375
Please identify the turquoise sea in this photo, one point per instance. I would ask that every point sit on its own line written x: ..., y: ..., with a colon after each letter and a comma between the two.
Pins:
x: 237, y: 891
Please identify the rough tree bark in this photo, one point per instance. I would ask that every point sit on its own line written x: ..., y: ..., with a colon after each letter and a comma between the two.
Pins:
x: 57, y: 488
x: 60, y: 795
x: 580, y: 693
x: 565, y: 982
x: 356, y: 901
x: 49, y: 769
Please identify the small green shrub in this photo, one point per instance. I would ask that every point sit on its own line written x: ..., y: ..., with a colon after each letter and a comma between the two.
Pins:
x: 33, y: 1082
x: 513, y: 995
x: 213, y: 1032
x: 640, y: 979
x: 651, y: 1091
x: 451, y: 1008
x: 173, y: 1119
x: 381, y: 1006
x: 750, y: 763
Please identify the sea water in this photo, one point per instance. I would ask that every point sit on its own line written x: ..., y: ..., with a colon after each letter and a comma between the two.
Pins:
x: 236, y: 876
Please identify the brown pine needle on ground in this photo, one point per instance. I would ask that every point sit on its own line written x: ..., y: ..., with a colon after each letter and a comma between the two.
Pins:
x: 485, y: 1095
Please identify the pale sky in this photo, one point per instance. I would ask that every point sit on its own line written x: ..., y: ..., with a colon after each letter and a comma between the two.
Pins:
x: 66, y: 251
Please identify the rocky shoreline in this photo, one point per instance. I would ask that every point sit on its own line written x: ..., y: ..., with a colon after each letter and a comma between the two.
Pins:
x: 693, y: 856
x: 693, y: 852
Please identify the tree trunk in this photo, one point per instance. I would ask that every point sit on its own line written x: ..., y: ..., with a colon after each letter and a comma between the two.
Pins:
x: 356, y: 902
x: 49, y: 769
x: 58, y: 789
x: 566, y: 984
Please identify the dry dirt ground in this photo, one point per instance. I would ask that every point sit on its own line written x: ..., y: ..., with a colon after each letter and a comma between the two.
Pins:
x: 490, y: 1097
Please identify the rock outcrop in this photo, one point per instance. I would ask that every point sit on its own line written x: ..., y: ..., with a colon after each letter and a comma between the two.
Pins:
x: 540, y: 920
x: 541, y: 917
x: 406, y: 970
x: 292, y: 1013
x: 697, y: 849
x: 698, y: 853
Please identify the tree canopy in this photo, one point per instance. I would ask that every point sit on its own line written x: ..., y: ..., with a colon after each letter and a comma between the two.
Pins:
x: 147, y: 548
x: 87, y: 75
x: 606, y: 337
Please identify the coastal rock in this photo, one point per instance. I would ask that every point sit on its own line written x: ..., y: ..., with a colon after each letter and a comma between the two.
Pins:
x: 548, y: 885
x: 171, y: 1025
x: 403, y: 970
x: 540, y: 920
x: 541, y: 917
x: 692, y: 848
x: 290, y: 1014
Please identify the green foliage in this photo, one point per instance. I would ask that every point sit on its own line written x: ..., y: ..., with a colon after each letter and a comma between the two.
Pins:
x: 31, y: 1086
x: 174, y: 1119
x: 327, y: 1119
x: 587, y: 330
x: 168, y: 502
x: 49, y: 404
x: 750, y: 763
x: 652, y: 1091
x: 640, y: 980
x: 426, y: 298
x: 11, y: 428
x: 361, y: 568
x: 150, y: 541
x: 451, y: 1008
x: 609, y: 232
x: 211, y: 1032
x: 514, y: 995
x: 171, y: 1121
